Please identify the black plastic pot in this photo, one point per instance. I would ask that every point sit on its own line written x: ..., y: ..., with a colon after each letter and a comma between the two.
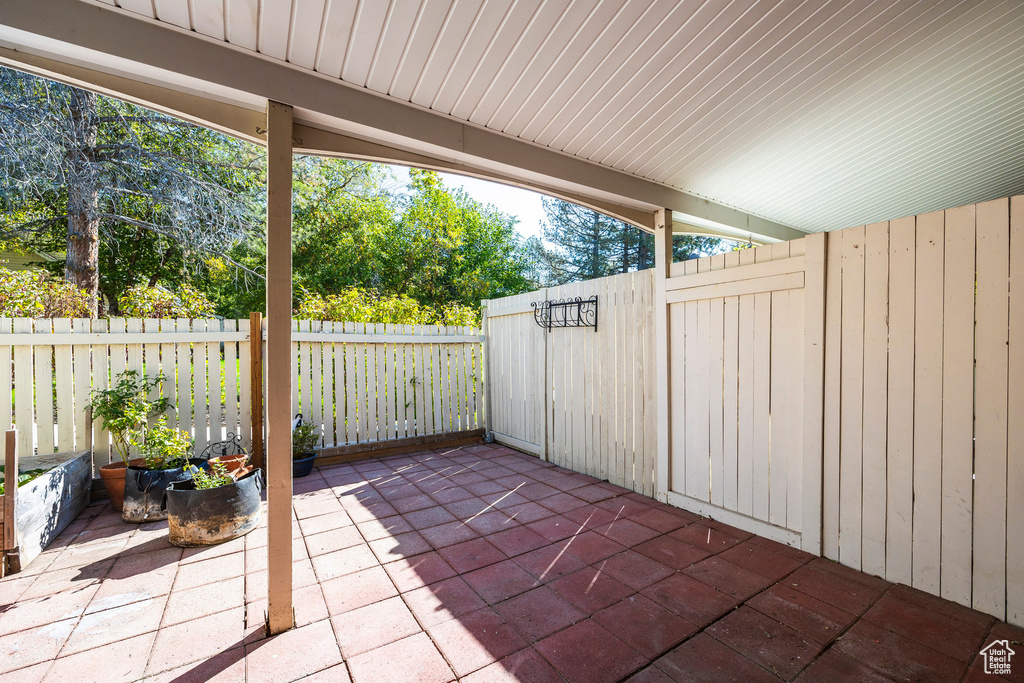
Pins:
x: 144, y: 491
x: 302, y: 464
x: 199, y: 517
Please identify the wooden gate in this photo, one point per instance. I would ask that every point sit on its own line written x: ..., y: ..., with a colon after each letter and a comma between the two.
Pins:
x: 516, y: 373
x: 745, y: 339
x: 579, y: 397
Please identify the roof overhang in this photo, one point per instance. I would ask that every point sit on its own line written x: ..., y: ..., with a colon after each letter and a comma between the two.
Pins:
x: 217, y: 84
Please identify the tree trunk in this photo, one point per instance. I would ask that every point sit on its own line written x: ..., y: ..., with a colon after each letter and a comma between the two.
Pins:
x: 82, y: 265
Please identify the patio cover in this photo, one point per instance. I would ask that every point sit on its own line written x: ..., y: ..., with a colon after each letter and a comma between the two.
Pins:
x: 753, y: 119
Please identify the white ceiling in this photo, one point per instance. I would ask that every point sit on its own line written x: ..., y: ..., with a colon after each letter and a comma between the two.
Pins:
x: 816, y: 114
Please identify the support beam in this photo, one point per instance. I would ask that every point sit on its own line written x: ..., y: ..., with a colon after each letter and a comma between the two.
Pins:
x: 280, y: 616
x: 662, y: 349
x: 223, y: 117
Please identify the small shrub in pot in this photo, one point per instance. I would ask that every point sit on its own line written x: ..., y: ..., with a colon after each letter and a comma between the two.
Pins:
x: 305, y: 438
x: 165, y: 452
x: 124, y: 408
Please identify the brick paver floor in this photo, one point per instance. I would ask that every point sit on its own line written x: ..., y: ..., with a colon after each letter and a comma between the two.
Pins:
x: 477, y: 564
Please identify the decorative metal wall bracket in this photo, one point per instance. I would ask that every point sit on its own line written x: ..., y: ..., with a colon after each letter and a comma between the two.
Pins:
x: 571, y: 312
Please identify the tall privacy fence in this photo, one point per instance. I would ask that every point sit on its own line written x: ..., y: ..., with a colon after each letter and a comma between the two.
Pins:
x: 859, y: 394
x: 362, y: 383
x: 581, y: 397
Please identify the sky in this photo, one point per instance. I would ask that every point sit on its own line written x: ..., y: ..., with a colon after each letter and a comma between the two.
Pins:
x: 523, y: 204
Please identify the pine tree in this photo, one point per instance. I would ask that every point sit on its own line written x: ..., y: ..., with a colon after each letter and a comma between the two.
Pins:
x: 580, y: 244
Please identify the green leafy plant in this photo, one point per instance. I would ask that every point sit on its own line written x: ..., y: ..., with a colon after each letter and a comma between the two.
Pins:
x: 217, y: 476
x: 36, y: 294
x: 164, y: 447
x: 153, y: 302
x: 23, y: 478
x: 304, y: 439
x: 125, y: 407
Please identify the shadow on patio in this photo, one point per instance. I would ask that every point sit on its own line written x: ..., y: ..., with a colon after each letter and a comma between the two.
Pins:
x: 477, y: 564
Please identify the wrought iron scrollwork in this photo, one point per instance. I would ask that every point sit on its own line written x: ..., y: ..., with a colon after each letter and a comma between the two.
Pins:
x: 231, y: 446
x: 571, y: 312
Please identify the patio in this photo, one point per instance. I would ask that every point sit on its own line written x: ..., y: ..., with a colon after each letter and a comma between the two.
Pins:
x: 478, y: 564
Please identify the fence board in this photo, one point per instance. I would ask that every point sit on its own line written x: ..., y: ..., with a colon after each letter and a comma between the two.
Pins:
x: 231, y: 383
x: 852, y: 399
x: 730, y: 396
x: 779, y: 449
x: 990, y: 523
x: 900, y: 404
x: 957, y: 403
x: 100, y: 381
x: 65, y: 389
x: 833, y: 361
x: 876, y: 335
x: 928, y: 402
x: 201, y: 389
x: 44, y: 391
x: 213, y: 393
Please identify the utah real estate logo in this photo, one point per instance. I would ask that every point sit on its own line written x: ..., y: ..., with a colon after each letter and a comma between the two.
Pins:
x: 997, y: 657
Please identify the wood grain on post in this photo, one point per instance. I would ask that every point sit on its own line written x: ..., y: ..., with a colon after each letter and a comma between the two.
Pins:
x: 256, y: 386
x: 10, y: 537
x: 280, y: 360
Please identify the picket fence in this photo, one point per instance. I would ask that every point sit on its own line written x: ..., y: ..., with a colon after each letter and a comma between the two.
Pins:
x: 360, y: 382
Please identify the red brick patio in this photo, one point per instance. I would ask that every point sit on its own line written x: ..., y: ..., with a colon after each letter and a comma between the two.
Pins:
x: 476, y: 564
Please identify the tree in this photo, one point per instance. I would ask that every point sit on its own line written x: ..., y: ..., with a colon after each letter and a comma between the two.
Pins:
x: 585, y: 245
x: 442, y: 248
x: 134, y: 197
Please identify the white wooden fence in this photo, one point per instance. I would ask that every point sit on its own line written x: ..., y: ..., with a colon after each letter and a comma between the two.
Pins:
x: 56, y: 364
x: 859, y: 394
x: 575, y: 396
x: 924, y: 421
x: 373, y: 382
x: 744, y: 332
x: 361, y: 382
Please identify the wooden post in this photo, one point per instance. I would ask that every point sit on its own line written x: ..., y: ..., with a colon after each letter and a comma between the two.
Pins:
x: 9, y: 558
x: 662, y: 349
x: 280, y: 616
x: 814, y: 391
x: 486, y: 367
x: 256, y: 386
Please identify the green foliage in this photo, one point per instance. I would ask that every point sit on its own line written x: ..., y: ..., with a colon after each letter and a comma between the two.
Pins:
x: 152, y: 302
x: 305, y: 439
x: 35, y: 294
x: 167, y: 194
x: 441, y: 249
x: 23, y: 477
x: 125, y: 407
x: 164, y: 447
x: 357, y: 305
x: 216, y: 477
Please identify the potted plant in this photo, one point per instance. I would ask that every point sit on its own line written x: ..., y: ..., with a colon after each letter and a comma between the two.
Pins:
x: 305, y: 438
x: 124, y: 408
x: 213, y: 506
x: 165, y: 456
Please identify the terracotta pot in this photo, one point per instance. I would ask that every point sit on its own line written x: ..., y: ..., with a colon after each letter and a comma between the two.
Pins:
x: 232, y: 462
x: 113, y: 481
x: 241, y: 472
